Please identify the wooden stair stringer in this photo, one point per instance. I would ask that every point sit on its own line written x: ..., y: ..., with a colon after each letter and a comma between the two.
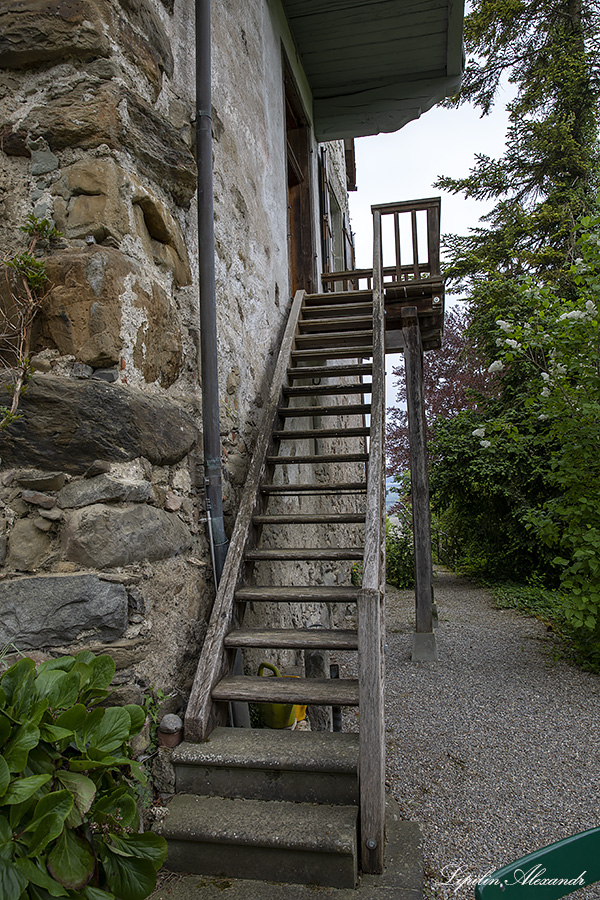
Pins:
x: 201, y: 716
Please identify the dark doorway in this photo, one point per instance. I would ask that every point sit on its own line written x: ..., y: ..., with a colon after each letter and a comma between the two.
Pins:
x: 300, y: 230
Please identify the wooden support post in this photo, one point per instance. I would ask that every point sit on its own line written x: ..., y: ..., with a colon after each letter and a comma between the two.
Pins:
x: 424, y: 646
x: 371, y: 602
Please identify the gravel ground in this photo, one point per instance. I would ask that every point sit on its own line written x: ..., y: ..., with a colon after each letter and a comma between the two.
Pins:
x: 494, y: 749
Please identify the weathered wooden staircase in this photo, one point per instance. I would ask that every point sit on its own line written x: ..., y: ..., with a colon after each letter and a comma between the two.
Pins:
x: 290, y: 806
x: 304, y: 807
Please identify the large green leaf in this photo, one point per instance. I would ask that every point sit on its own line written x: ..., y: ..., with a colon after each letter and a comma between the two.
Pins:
x: 47, y: 680
x: 5, y: 729
x: 73, y: 718
x: 4, y: 776
x: 90, y: 726
x: 112, y: 730
x: 43, y: 760
x: 24, y: 697
x: 130, y: 879
x: 47, y: 831
x: 15, y: 676
x: 63, y: 663
x: 83, y: 790
x: 60, y: 688
x: 23, y: 739
x: 23, y: 788
x: 94, y: 893
x: 141, y: 846
x: 72, y: 861
x: 137, y: 716
x: 36, y: 713
x: 83, y: 672
x: 20, y: 813
x: 103, y: 670
x: 57, y: 802
x: 85, y: 656
x: 65, y: 692
x: 6, y: 839
x: 36, y: 893
x: 54, y: 733
x: 39, y: 876
x: 12, y: 881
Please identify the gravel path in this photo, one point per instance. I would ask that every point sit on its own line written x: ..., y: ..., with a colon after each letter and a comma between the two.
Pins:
x: 494, y: 749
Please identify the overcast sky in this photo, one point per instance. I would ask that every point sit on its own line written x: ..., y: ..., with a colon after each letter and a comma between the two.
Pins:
x: 404, y: 166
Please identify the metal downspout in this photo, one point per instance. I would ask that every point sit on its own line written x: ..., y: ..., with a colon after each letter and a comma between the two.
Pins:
x: 208, y: 312
x: 208, y: 318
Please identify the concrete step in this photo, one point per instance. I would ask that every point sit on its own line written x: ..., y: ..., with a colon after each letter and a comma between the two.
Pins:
x: 402, y: 878
x: 267, y: 839
x: 266, y: 764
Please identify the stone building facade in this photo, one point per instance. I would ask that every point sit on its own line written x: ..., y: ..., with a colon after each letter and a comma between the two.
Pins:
x: 102, y: 520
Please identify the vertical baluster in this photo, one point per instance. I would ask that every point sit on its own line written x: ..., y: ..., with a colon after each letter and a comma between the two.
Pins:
x: 433, y: 240
x: 415, y: 244
x: 397, y: 242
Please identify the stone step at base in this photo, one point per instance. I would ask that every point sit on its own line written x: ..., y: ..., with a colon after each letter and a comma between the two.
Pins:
x: 268, y: 840
x: 402, y: 878
x: 267, y: 764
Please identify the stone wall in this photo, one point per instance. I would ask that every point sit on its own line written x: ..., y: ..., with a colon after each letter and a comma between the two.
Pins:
x: 102, y: 523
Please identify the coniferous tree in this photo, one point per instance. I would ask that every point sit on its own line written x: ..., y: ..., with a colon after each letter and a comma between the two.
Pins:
x: 546, y: 181
x: 548, y: 177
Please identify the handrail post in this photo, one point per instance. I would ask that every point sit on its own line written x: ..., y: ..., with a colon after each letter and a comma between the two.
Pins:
x: 371, y: 600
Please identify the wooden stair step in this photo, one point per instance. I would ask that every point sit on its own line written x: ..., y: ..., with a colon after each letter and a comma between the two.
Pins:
x: 307, y: 390
x: 331, y: 297
x: 268, y: 689
x: 359, y: 431
x: 293, y: 638
x: 291, y: 594
x: 335, y: 325
x: 355, y: 487
x: 330, y: 371
x: 342, y: 409
x: 310, y: 519
x: 334, y: 339
x: 334, y: 353
x: 339, y: 309
x: 317, y: 459
x: 302, y: 553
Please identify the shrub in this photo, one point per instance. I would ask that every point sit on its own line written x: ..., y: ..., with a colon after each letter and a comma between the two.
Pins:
x: 399, y: 552
x: 68, y: 812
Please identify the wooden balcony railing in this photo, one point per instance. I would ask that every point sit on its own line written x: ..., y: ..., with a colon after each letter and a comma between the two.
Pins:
x: 405, y: 264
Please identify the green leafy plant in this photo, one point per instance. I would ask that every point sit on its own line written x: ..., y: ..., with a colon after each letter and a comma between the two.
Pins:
x: 399, y: 551
x: 24, y: 297
x: 399, y: 555
x: 68, y: 816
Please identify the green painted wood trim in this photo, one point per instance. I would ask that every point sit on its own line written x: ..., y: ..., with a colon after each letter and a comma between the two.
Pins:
x: 455, y: 57
x: 381, y: 109
x: 575, y: 860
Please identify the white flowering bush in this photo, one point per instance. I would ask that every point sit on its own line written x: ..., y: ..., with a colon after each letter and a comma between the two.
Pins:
x: 560, y: 344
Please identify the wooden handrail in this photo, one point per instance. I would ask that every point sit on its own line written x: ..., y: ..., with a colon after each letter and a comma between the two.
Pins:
x: 371, y: 614
x: 201, y: 715
x: 413, y: 272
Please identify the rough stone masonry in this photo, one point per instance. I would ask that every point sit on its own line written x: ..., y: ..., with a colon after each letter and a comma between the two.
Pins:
x: 102, y: 532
